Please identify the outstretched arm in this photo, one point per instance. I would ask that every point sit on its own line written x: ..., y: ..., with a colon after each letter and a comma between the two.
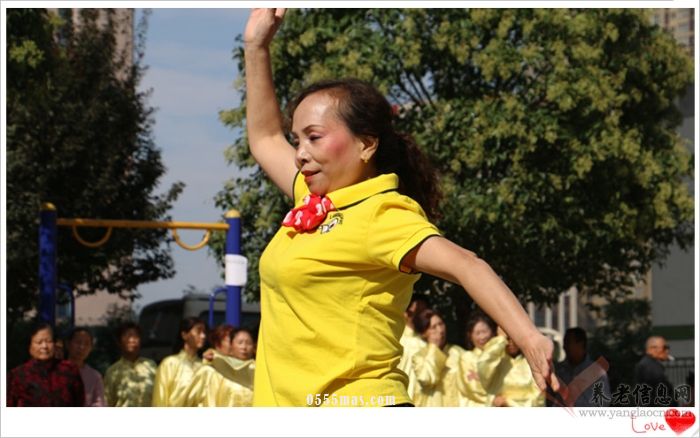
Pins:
x: 442, y: 258
x: 263, y: 117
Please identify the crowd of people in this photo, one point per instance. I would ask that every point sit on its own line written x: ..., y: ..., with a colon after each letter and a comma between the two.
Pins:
x: 491, y: 369
x: 490, y: 372
x: 195, y: 376
x: 216, y: 368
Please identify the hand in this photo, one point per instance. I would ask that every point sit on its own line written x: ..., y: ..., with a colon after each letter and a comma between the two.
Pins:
x: 433, y: 337
x: 208, y: 355
x: 499, y: 401
x: 538, y: 351
x: 262, y: 26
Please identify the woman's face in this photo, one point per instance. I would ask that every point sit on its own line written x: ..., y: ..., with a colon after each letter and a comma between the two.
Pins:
x: 41, y: 345
x: 242, y: 346
x: 328, y: 154
x: 130, y: 342
x: 480, y: 334
x: 436, y: 332
x: 195, y: 337
x: 79, y: 346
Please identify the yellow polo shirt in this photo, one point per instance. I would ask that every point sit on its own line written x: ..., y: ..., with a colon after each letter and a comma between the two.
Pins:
x: 332, y: 301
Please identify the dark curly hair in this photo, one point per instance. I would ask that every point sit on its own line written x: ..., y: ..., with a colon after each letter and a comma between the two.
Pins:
x: 422, y: 320
x: 367, y: 113
x: 185, y: 326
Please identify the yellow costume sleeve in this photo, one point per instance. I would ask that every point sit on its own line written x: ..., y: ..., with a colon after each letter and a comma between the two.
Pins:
x: 165, y: 374
x: 429, y: 363
x: 223, y: 382
x: 198, y: 393
x: 451, y: 396
x: 239, y: 371
x: 411, y: 345
x: 520, y: 388
x: 489, y: 366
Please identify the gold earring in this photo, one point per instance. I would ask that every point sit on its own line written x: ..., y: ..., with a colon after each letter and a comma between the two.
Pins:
x: 365, y: 159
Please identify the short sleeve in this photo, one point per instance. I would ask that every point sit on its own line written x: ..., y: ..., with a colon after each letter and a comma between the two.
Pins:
x: 397, y: 226
x: 300, y: 189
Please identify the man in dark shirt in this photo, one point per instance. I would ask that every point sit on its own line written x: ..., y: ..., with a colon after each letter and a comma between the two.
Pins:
x: 650, y: 376
x: 584, y: 391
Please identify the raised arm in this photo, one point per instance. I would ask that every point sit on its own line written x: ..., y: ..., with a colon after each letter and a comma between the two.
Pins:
x: 263, y: 117
x: 442, y: 258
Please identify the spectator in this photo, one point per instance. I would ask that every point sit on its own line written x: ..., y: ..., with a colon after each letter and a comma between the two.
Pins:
x: 650, y: 371
x: 175, y: 372
x: 436, y: 364
x: 243, y: 345
x: 79, y: 347
x: 129, y: 381
x: 595, y: 392
x: 505, y: 374
x: 481, y: 329
x: 410, y: 341
x: 225, y: 380
x: 43, y: 380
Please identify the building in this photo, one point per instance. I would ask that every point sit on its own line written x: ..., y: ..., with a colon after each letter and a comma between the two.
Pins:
x: 123, y: 21
x: 680, y: 23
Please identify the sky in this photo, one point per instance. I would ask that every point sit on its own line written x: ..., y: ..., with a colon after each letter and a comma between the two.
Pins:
x: 191, y: 74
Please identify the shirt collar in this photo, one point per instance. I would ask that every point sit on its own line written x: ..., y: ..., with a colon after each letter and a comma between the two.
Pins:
x: 183, y: 355
x: 44, y: 364
x: 126, y: 361
x: 356, y: 193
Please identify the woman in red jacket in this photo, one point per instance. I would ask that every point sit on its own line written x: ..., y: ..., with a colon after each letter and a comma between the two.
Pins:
x: 44, y: 380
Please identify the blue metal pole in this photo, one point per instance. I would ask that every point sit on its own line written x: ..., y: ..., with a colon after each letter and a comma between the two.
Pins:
x: 65, y: 287
x: 233, y: 248
x: 47, y: 264
x: 212, y: 298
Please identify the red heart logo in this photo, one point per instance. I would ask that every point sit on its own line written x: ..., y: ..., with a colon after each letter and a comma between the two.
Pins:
x: 679, y: 421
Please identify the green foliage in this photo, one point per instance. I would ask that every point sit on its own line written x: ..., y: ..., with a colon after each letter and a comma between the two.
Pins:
x: 79, y: 136
x: 553, y: 130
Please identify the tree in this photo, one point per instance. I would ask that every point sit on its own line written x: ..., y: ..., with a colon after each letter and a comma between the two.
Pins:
x: 553, y: 131
x: 79, y: 136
